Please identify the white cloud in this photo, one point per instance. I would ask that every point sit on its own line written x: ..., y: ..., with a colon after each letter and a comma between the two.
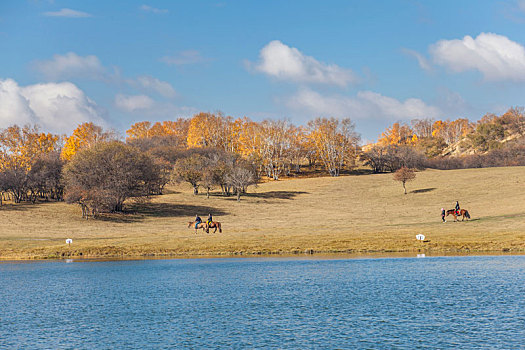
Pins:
x: 184, y: 57
x: 365, y: 105
x: 150, y: 83
x: 67, y: 13
x: 421, y: 60
x: 495, y: 56
x: 288, y: 63
x: 133, y: 103
x: 147, y: 8
x: 71, y: 65
x: 55, y: 107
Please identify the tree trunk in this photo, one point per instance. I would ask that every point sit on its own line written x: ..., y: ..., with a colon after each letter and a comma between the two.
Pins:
x: 195, y: 190
x: 238, y: 196
x: 404, y: 187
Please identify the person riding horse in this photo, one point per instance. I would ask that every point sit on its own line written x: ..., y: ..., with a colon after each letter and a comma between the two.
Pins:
x: 198, y: 221
x: 210, y: 220
x: 457, y: 208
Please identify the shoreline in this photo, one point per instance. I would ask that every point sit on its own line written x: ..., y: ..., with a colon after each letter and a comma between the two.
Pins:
x: 291, y: 256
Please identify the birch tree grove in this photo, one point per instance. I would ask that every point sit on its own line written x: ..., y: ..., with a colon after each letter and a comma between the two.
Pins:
x: 335, y: 142
x: 275, y: 143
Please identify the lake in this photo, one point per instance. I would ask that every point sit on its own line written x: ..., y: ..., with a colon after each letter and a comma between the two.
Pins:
x: 432, y: 302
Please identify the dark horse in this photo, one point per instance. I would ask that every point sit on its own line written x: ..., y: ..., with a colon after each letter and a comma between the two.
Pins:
x: 216, y: 225
x: 202, y: 225
x: 463, y: 212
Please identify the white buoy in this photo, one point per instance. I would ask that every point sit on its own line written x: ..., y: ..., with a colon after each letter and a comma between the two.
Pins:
x: 420, y: 237
x: 69, y: 241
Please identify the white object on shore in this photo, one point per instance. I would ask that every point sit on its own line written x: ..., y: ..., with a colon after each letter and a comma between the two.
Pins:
x: 421, y: 255
x: 69, y: 241
x: 420, y: 237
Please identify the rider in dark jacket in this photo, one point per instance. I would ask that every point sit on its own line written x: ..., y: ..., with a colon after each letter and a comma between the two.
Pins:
x: 210, y: 219
x: 198, y: 221
x: 457, y: 207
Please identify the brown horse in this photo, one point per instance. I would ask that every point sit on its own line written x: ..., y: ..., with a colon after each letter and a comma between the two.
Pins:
x: 202, y: 225
x: 216, y: 225
x: 463, y: 212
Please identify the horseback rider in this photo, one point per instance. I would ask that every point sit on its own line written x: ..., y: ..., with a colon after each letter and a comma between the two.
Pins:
x: 210, y: 220
x: 198, y: 221
x: 457, y: 208
x: 443, y: 214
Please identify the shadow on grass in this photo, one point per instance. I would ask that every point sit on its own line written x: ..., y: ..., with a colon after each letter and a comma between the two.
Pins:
x: 274, y: 194
x: 263, y: 195
x: 17, y: 206
x: 424, y: 190
x: 139, y: 212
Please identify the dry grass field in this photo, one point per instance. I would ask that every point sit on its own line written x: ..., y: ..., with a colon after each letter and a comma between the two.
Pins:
x: 350, y: 214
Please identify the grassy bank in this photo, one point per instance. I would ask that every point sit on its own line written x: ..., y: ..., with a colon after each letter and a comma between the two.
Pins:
x: 366, y: 213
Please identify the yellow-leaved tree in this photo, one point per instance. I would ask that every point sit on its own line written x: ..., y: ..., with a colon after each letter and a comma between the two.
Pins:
x: 398, y: 134
x: 84, y: 136
x: 19, y: 147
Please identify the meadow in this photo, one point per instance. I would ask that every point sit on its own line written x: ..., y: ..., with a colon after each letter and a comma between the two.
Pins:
x: 346, y: 214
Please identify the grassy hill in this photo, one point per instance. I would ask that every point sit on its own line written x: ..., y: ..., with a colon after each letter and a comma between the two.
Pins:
x: 357, y: 214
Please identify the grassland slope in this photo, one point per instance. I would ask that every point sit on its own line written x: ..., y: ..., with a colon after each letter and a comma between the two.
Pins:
x: 360, y: 214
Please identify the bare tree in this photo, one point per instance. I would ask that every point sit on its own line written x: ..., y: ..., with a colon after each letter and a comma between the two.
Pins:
x: 102, y: 177
x: 240, y: 178
x: 404, y: 175
x: 191, y: 170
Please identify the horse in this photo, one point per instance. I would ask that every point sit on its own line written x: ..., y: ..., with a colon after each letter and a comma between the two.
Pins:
x: 202, y: 225
x: 216, y: 225
x: 463, y: 212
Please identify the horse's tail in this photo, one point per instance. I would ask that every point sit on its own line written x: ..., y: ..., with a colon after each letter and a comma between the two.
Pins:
x: 467, y: 214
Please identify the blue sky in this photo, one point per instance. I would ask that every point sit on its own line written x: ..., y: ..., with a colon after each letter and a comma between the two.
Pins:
x: 377, y: 62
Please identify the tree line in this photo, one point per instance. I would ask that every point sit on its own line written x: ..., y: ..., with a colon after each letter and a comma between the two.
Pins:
x: 93, y: 168
x: 99, y: 171
x: 444, y: 144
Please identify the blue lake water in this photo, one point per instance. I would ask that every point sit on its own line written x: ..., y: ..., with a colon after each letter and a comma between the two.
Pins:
x: 439, y: 302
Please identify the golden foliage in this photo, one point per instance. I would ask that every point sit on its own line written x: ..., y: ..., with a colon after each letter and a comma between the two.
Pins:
x: 84, y: 136
x: 398, y: 134
x: 19, y: 147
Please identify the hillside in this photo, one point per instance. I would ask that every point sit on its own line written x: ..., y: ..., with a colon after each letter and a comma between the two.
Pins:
x: 358, y: 214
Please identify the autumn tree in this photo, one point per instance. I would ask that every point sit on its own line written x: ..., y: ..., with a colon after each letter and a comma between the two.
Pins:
x: 398, y: 134
x: 200, y: 130
x: 103, y: 177
x: 20, y: 146
x: 404, y: 175
x: 174, y: 130
x: 86, y: 135
x: 335, y: 142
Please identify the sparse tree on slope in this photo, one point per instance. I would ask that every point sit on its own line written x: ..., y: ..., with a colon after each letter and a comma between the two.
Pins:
x: 404, y: 175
